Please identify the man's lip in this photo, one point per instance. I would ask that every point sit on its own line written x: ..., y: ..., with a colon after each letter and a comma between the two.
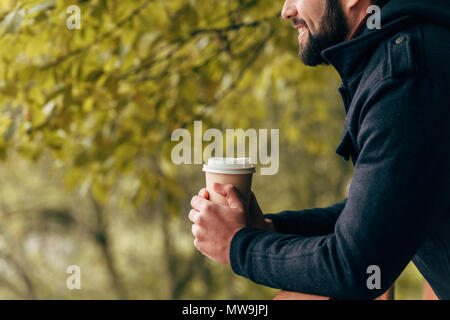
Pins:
x: 303, y: 25
x: 298, y: 22
x: 301, y: 33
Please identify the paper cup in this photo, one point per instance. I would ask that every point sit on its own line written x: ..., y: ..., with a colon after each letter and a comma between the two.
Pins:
x: 235, y: 171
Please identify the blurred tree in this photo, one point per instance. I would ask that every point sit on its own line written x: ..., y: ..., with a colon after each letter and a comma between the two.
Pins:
x: 105, y: 98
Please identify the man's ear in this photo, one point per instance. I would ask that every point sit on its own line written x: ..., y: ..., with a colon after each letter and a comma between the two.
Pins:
x: 348, y: 5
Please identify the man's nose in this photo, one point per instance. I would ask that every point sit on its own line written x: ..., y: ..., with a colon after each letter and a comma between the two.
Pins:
x: 289, y: 10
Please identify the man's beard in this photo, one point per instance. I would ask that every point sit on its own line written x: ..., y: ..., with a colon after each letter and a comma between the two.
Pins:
x: 333, y: 30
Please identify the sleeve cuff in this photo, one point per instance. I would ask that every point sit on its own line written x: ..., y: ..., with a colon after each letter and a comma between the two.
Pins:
x: 241, y: 248
x: 275, y: 220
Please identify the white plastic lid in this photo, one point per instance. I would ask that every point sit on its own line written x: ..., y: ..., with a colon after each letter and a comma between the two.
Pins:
x: 229, y: 166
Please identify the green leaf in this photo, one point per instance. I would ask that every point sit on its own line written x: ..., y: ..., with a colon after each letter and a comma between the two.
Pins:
x: 14, y: 20
x: 99, y: 191
x: 37, y: 115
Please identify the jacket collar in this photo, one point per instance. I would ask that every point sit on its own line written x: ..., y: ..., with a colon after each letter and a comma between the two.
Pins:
x: 350, y: 57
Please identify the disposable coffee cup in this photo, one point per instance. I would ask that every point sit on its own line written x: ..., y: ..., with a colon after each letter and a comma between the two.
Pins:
x: 235, y: 171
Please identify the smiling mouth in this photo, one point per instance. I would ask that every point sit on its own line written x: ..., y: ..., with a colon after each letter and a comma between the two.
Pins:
x: 301, y: 30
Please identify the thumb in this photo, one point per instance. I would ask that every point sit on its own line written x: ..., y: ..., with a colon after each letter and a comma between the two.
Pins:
x: 204, y: 193
x: 230, y: 193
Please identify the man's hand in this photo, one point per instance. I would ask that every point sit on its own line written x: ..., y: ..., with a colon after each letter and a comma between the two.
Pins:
x: 255, y: 216
x: 215, y: 225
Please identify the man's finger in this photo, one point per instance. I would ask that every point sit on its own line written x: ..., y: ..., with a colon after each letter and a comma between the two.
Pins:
x: 193, y: 215
x: 196, y: 231
x: 203, y: 193
x: 230, y: 193
x: 200, y: 203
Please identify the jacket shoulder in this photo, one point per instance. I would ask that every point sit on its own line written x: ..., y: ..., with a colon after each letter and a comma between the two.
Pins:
x: 421, y: 50
x: 435, y: 52
x: 396, y: 56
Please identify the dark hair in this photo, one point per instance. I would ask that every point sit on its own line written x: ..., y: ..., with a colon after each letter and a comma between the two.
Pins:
x: 380, y: 3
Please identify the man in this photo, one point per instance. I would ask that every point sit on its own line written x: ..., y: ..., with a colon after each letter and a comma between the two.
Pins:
x: 395, y: 87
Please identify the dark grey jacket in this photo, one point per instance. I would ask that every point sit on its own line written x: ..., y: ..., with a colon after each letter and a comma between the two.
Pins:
x: 396, y: 92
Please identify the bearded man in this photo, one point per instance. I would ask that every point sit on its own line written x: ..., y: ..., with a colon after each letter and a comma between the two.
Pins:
x: 395, y: 88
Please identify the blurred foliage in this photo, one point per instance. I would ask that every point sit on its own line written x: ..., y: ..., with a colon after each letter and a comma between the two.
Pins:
x: 93, y: 110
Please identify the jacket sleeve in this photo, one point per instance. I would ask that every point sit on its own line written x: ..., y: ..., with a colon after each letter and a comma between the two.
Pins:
x: 309, y: 222
x: 397, y: 188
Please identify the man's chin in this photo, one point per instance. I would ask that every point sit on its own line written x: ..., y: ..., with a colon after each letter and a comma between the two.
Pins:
x: 310, y: 52
x: 311, y: 59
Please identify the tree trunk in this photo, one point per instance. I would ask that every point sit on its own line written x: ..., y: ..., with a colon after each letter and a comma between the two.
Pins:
x: 103, y: 240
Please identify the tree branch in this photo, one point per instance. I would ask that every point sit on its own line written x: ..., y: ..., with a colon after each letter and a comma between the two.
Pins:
x: 180, y: 42
x: 207, y: 108
x: 21, y: 272
x: 106, y: 35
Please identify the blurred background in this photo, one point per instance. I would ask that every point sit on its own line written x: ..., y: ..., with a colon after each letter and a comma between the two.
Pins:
x: 86, y: 115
